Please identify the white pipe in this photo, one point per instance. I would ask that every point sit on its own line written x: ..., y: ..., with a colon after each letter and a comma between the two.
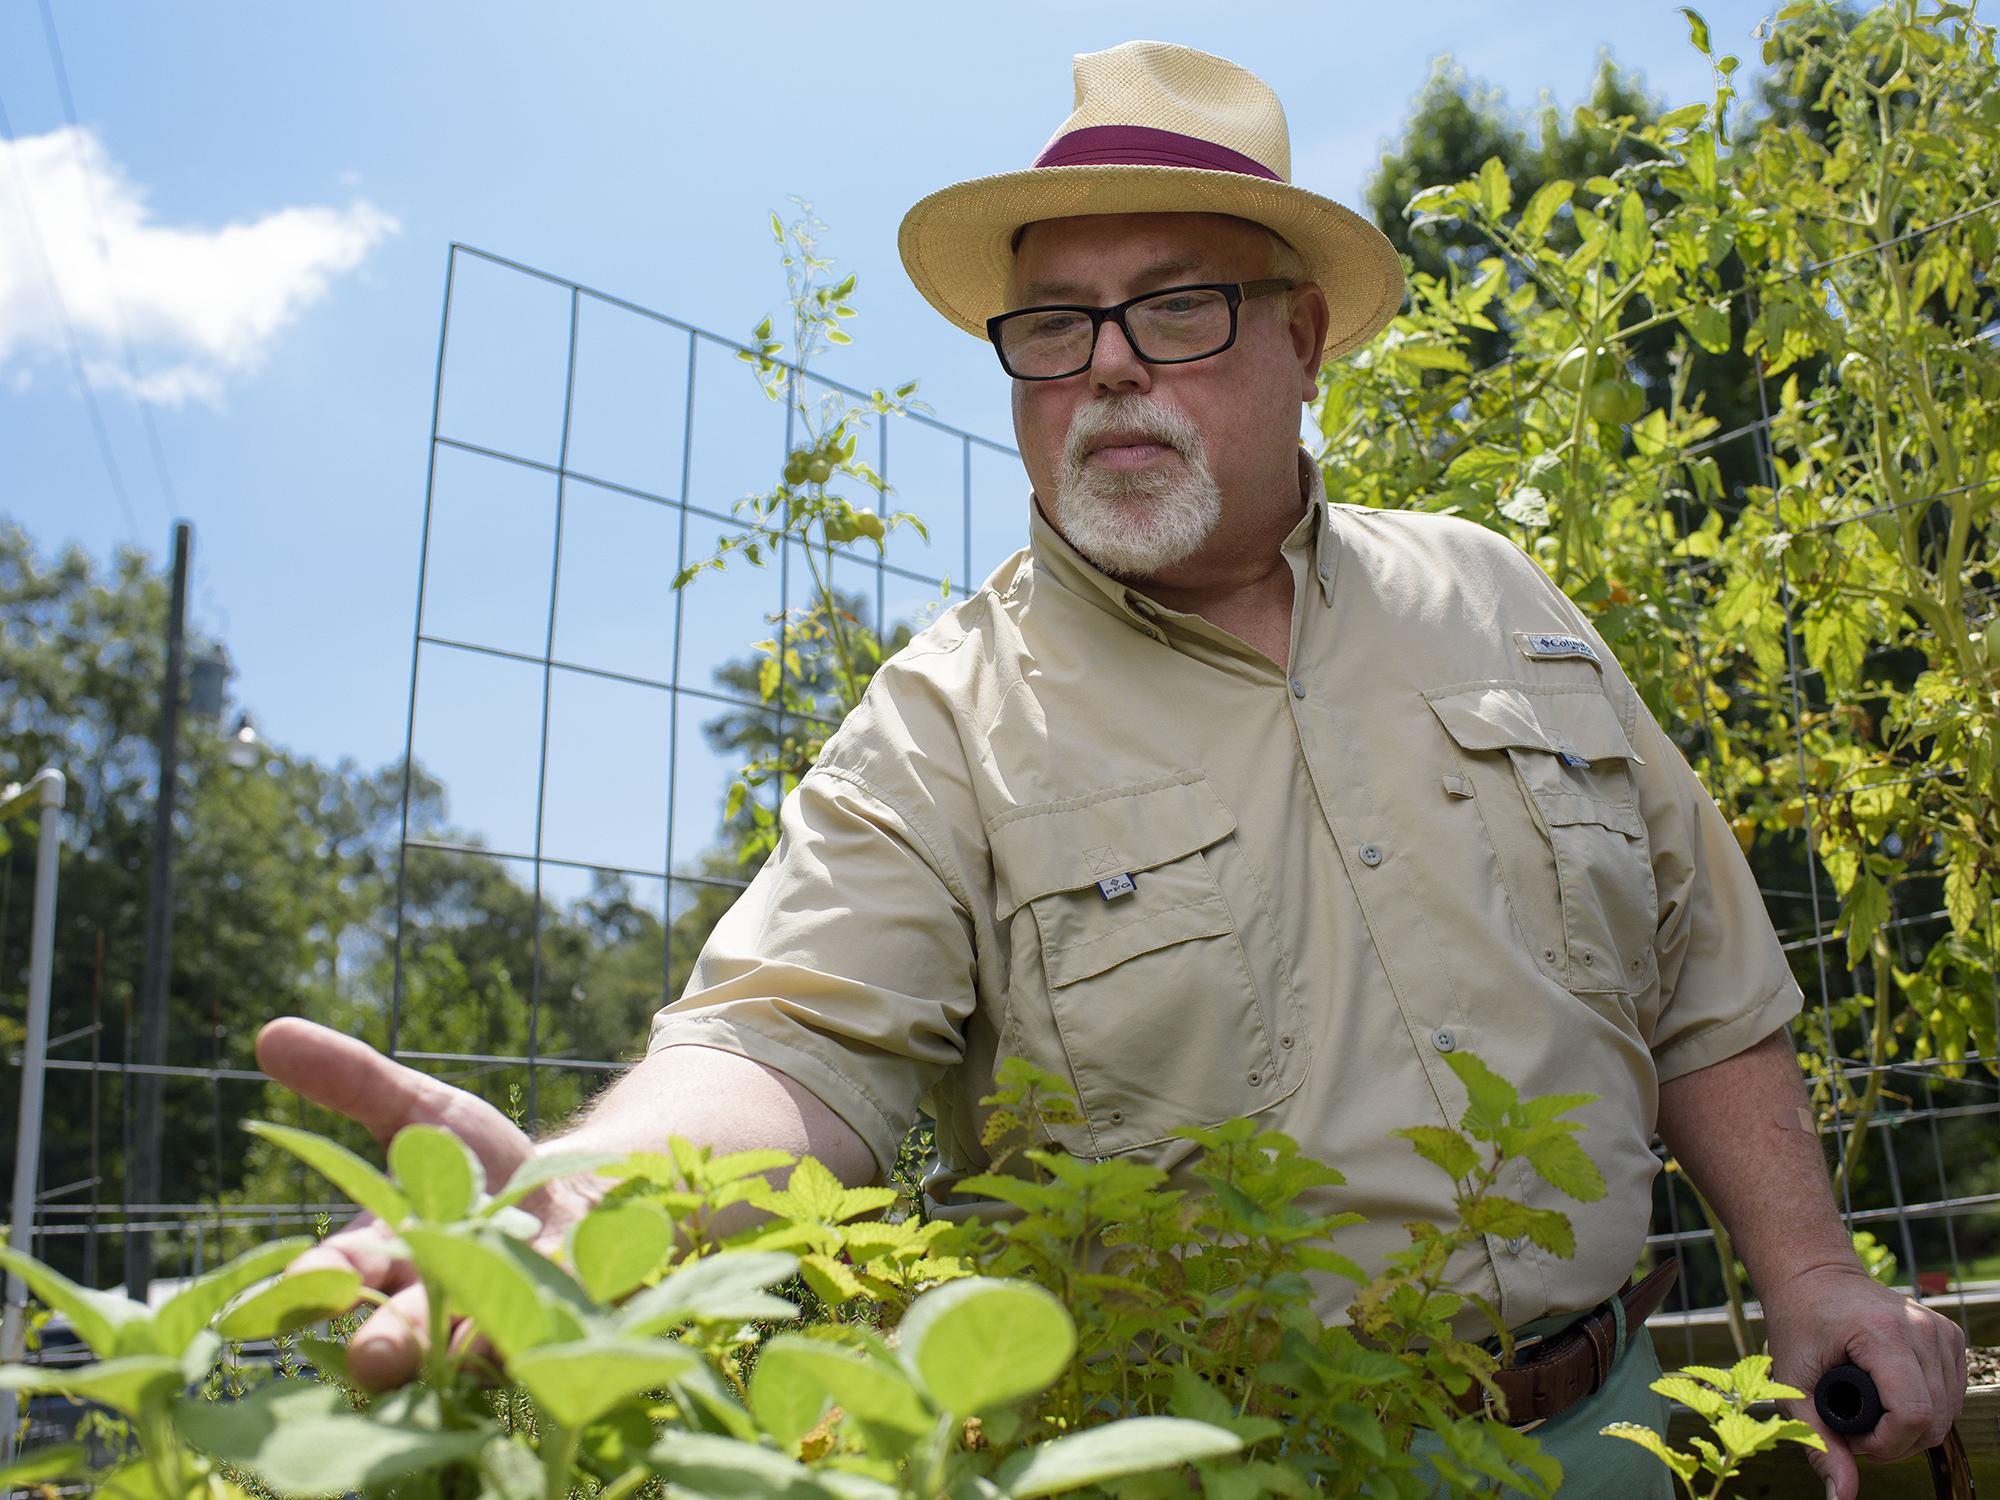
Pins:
x: 34, y: 1058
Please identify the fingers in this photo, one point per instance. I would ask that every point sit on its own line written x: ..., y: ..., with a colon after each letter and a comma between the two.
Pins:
x: 350, y: 1077
x: 364, y: 1248
x: 1917, y: 1362
x: 388, y: 1349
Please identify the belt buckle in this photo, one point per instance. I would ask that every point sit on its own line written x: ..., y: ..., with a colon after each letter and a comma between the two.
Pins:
x: 1488, y: 1411
x: 1522, y: 1344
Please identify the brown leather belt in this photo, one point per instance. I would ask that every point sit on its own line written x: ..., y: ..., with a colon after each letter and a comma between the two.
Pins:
x: 1553, y: 1373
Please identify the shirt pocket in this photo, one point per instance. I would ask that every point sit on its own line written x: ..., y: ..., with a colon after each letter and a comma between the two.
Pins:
x: 1551, y: 769
x: 1150, y: 999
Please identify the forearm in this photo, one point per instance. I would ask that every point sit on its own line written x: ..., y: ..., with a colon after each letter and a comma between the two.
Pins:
x: 1741, y: 1131
x: 721, y: 1101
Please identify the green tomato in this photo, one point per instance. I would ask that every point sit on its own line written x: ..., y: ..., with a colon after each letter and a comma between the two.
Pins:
x: 819, y: 471
x: 1569, y: 370
x: 795, y: 469
x: 870, y: 525
x: 1614, y: 402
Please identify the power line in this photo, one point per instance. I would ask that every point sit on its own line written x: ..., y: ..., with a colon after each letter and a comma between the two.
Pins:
x: 104, y: 451
x: 104, y: 254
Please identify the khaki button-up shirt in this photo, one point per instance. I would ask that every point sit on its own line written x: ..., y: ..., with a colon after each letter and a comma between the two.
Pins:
x: 1071, y: 825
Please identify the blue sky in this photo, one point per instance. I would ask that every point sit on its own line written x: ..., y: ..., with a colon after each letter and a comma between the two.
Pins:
x: 277, y: 185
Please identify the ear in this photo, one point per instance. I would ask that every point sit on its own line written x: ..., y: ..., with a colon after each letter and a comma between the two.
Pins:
x: 1306, y: 326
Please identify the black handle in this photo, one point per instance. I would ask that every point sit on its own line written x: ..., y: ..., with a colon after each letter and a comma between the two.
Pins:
x: 1847, y: 1400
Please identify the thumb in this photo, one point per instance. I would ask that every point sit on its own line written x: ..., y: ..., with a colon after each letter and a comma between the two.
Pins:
x: 1836, y: 1465
x: 350, y: 1077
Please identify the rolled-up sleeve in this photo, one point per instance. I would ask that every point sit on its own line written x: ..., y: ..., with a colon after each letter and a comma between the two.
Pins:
x: 847, y: 964
x: 1724, y: 981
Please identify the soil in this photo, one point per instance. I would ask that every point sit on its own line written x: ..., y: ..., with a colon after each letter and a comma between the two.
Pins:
x: 1982, y: 1367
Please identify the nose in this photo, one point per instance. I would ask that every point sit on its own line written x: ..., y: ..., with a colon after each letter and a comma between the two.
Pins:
x: 1114, y: 367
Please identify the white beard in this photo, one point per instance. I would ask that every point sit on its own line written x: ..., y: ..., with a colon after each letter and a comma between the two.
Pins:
x: 1134, y: 525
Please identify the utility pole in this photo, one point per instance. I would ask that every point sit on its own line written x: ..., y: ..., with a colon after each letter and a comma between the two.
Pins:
x: 142, y: 1166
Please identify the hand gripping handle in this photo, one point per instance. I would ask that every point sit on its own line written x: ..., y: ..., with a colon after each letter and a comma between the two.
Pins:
x: 1849, y: 1404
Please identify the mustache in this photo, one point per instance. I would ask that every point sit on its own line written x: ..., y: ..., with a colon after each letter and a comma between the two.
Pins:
x: 1135, y: 415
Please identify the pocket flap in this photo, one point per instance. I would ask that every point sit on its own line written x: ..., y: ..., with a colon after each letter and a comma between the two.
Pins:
x: 1074, y: 843
x: 1509, y: 716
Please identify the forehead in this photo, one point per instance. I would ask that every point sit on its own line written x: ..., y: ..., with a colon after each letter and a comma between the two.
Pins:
x: 1106, y: 252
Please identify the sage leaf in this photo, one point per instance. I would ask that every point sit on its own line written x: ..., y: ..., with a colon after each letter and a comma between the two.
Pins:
x: 96, y: 1316
x: 487, y: 1285
x: 291, y: 1303
x: 796, y: 1374
x: 301, y: 1438
x: 437, y: 1172
x: 189, y: 1311
x: 576, y: 1383
x: 729, y: 1287
x: 982, y: 1342
x: 722, y: 1469
x: 615, y: 1249
x: 362, y: 1183
x: 1137, y: 1445
x: 125, y: 1385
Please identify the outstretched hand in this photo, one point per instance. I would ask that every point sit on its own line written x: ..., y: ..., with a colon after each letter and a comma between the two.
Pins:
x: 348, y: 1076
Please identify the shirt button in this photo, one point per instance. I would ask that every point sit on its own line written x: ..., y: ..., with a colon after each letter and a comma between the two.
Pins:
x: 1256, y: 1077
x: 1117, y: 1115
x: 1371, y: 855
x: 1284, y: 1041
x: 1444, y: 1040
x: 1298, y: 688
x: 1325, y: 572
x: 1516, y: 1246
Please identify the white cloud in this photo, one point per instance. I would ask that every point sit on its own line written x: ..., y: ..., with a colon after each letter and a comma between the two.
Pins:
x: 199, y: 305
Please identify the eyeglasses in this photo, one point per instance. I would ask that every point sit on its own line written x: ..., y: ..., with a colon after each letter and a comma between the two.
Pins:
x: 1173, y: 326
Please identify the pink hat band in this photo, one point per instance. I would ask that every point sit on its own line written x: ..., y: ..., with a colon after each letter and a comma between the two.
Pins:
x: 1144, y: 146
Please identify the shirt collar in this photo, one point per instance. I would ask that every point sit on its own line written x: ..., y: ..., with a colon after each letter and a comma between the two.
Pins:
x: 1314, y: 535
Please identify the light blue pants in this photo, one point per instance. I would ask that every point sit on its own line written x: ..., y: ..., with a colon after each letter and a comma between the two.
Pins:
x: 1594, y: 1465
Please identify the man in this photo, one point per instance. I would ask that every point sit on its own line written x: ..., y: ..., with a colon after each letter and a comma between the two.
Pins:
x: 1218, y: 801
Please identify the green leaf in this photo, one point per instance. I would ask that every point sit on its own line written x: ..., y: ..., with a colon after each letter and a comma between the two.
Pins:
x: 301, y: 1438
x: 437, y: 1172
x: 1633, y: 237
x: 1687, y: 116
x: 1542, y: 207
x: 1565, y: 1166
x: 191, y: 1309
x: 1682, y: 1464
x: 1837, y: 643
x: 1863, y: 913
x: 1526, y: 506
x: 981, y: 1342
x: 729, y: 1287
x: 486, y: 1284
x: 125, y: 1385
x: 356, y: 1178
x: 1137, y: 1445
x: 1707, y: 324
x: 1443, y: 1148
x: 96, y: 1316
x: 1490, y: 1094
x: 616, y: 1249
x: 538, y: 1171
x: 1964, y: 892
x: 291, y: 1303
x: 1496, y: 190
x: 720, y: 1468
x: 1697, y: 29
x: 795, y: 1372
x: 576, y: 1383
x: 43, y: 1466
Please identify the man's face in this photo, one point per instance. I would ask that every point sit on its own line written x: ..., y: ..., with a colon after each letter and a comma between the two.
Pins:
x: 1165, y: 472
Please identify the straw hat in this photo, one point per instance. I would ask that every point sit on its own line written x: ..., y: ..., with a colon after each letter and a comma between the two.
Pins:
x: 1156, y: 129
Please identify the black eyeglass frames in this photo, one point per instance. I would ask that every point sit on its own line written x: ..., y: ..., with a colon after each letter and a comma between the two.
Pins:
x: 1173, y: 326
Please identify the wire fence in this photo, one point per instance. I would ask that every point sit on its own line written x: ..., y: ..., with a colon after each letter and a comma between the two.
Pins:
x: 584, y: 734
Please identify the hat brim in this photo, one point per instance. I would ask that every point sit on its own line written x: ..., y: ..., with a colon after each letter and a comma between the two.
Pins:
x: 957, y: 244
